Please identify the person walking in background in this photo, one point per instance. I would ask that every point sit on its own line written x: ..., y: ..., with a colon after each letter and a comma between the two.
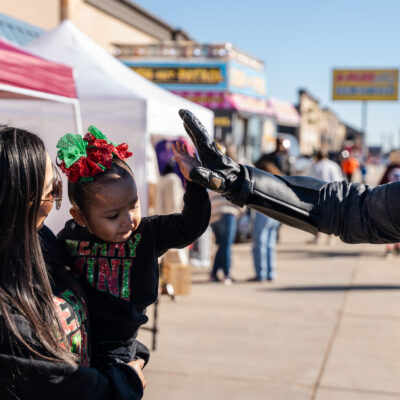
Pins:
x: 277, y: 161
x: 265, y: 234
x: 364, y: 172
x: 325, y: 169
x: 265, y: 230
x: 223, y: 222
x: 349, y: 165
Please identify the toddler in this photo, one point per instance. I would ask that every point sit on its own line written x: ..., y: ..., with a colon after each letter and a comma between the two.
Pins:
x: 114, y: 250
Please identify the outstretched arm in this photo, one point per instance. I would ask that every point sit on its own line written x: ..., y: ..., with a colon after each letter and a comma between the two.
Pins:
x: 354, y: 212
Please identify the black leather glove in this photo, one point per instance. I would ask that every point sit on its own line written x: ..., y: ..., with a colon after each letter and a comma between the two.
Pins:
x: 291, y: 200
x: 218, y: 171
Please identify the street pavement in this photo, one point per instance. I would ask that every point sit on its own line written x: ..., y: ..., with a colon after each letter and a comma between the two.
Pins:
x: 328, y: 328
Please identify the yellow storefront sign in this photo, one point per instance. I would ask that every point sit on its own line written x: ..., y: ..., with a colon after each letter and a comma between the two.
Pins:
x: 365, y: 84
x: 206, y: 75
x: 222, y: 121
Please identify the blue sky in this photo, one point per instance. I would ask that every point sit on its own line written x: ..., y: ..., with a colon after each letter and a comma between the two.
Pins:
x: 301, y: 41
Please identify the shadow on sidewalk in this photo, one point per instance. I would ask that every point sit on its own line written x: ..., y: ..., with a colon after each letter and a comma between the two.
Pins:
x: 329, y: 253
x: 331, y: 288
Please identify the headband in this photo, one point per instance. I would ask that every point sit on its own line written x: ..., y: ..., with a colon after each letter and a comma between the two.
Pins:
x: 84, y: 157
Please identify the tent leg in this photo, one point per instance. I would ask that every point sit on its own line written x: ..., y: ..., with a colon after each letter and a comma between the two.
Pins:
x: 78, y: 117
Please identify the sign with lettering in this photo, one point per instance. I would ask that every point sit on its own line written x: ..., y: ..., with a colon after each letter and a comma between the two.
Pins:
x: 192, y: 75
x: 206, y: 76
x: 183, y: 76
x: 365, y: 84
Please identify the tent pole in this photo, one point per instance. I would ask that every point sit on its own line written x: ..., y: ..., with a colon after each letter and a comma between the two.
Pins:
x: 78, y: 117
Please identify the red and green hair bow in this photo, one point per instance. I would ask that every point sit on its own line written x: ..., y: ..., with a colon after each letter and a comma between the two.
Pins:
x: 84, y: 157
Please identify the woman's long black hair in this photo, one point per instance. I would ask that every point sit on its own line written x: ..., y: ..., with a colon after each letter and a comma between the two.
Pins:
x: 24, y: 279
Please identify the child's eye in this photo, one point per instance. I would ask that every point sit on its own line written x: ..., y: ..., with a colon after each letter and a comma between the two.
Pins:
x: 112, y: 216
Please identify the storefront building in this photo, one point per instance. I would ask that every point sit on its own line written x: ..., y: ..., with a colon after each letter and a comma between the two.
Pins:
x: 219, y: 77
x: 354, y: 138
x: 320, y: 128
x: 333, y: 132
x: 311, y: 121
x: 105, y: 21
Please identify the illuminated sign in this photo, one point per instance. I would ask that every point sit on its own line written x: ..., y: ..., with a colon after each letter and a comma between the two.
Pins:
x: 365, y: 84
x: 182, y: 75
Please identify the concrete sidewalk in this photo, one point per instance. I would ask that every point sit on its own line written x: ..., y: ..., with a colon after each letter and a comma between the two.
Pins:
x: 327, y: 329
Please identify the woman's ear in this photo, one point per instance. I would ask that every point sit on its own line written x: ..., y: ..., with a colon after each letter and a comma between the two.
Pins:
x: 78, y: 217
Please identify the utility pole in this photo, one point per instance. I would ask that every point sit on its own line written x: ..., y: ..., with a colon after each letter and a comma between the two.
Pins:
x: 398, y: 144
x: 364, y: 119
x: 391, y: 137
x: 64, y: 10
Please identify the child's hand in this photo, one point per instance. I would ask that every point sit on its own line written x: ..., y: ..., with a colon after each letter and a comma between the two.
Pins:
x: 138, y: 365
x: 184, y: 159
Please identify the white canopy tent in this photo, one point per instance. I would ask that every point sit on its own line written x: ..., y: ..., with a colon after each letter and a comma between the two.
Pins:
x: 119, y: 102
x: 98, y: 72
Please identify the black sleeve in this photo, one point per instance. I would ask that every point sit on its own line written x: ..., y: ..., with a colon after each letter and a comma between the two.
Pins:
x: 354, y: 212
x: 358, y: 213
x: 24, y: 376
x: 180, y: 230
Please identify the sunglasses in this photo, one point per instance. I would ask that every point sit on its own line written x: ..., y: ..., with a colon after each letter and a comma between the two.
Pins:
x: 56, y: 192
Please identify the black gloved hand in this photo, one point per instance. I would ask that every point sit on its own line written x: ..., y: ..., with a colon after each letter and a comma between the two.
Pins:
x: 218, y: 171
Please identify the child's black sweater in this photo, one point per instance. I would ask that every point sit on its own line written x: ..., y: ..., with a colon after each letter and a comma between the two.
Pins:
x: 121, y: 280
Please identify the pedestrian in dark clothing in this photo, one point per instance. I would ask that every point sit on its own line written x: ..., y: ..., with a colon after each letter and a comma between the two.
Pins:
x: 278, y: 161
x: 265, y: 230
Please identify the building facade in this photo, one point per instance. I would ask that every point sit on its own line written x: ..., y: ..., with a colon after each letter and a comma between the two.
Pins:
x: 105, y: 21
x: 218, y: 76
x: 309, y: 133
x: 333, y: 132
x: 319, y: 128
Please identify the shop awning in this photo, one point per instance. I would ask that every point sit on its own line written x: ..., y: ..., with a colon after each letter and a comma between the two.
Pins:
x: 228, y: 101
x: 23, y: 74
x: 17, y: 31
x: 250, y: 105
x: 284, y: 112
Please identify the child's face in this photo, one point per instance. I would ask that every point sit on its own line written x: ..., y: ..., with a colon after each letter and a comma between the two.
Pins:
x: 114, y: 212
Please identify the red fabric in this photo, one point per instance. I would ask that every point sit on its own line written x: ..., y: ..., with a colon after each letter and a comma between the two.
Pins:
x: 98, y: 152
x: 24, y: 70
x: 83, y: 168
x: 102, y: 152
